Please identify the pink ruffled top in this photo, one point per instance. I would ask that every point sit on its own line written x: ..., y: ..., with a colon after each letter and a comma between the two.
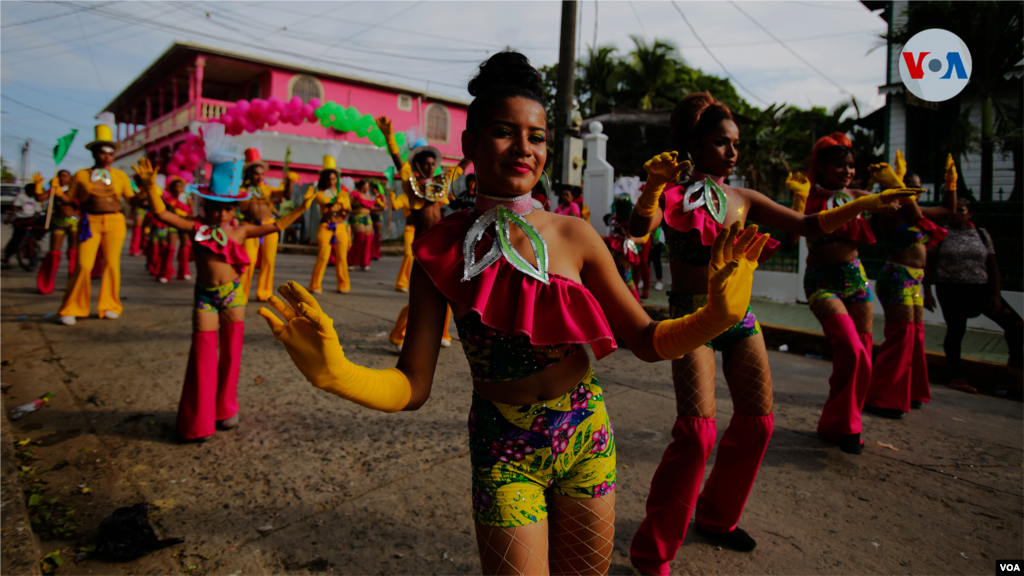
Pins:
x: 858, y: 229
x: 700, y: 219
x: 617, y: 244
x: 560, y: 312
x: 935, y: 232
x: 233, y: 252
x: 358, y: 200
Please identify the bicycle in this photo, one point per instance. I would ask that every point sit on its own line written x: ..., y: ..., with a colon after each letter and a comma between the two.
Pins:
x: 33, y: 234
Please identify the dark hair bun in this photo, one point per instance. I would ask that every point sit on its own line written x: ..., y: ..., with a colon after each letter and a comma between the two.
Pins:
x: 506, y: 70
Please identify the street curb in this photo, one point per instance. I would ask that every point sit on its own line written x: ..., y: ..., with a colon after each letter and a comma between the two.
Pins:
x: 385, y: 249
x: 19, y: 547
x: 988, y: 377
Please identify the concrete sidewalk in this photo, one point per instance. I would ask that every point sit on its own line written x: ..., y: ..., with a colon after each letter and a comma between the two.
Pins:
x: 977, y: 344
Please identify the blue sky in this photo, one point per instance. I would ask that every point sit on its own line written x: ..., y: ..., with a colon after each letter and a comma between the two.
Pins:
x: 61, y: 62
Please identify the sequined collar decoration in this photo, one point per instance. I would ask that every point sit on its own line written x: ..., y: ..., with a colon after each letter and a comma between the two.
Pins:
x: 836, y: 198
x: 205, y: 232
x: 435, y: 189
x: 708, y: 193
x: 100, y: 175
x: 501, y: 212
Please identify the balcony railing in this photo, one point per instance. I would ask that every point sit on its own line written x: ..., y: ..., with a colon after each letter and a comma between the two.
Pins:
x: 173, y: 121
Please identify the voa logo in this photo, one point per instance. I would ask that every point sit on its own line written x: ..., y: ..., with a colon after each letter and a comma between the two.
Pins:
x: 935, y: 65
x: 1008, y: 566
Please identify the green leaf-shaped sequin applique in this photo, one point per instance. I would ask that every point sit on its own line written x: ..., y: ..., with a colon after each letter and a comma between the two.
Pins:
x: 501, y: 217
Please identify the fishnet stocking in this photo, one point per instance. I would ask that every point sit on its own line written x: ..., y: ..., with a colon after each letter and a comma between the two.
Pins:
x: 582, y: 534
x: 694, y: 378
x: 745, y: 365
x: 828, y: 307
x: 519, y: 550
x: 899, y: 313
x: 863, y: 315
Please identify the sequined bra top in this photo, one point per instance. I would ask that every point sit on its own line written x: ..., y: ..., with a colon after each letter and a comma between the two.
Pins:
x: 903, y: 237
x: 496, y: 356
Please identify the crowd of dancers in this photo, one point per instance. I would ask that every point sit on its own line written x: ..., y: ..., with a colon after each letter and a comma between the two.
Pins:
x: 527, y: 289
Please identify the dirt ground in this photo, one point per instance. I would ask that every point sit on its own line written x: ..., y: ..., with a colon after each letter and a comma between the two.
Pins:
x: 310, y: 483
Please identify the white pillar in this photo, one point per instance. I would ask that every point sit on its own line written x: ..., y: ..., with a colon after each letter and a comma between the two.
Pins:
x: 597, y: 178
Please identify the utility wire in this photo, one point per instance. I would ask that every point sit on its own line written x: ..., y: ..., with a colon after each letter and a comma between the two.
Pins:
x: 371, y: 27
x: 791, y: 51
x: 801, y: 39
x: 6, y: 97
x: 49, y: 93
x: 80, y: 9
x: 92, y: 56
x: 713, y: 57
x: 633, y: 8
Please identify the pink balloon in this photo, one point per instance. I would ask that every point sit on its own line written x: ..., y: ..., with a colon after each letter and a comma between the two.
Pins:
x: 260, y: 106
x: 172, y: 169
x: 315, y: 102
x: 242, y: 106
x: 295, y: 102
x: 193, y: 158
x: 307, y: 111
x: 276, y: 104
x: 187, y: 177
x: 273, y: 118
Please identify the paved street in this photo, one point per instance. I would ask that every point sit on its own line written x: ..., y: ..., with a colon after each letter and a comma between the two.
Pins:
x: 312, y: 484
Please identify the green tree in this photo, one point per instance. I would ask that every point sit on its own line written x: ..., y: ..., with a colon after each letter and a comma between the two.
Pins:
x: 595, y: 81
x: 763, y: 160
x: 994, y: 34
x: 649, y: 77
x: 7, y: 176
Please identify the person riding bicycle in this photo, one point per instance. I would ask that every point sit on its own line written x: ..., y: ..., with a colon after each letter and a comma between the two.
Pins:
x: 26, y: 209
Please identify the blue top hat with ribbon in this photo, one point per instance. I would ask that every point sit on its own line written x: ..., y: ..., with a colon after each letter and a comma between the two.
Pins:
x: 225, y: 181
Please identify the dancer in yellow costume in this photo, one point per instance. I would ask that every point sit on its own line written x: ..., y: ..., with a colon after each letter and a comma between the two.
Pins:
x: 259, y: 210
x: 332, y: 235
x: 402, y: 203
x: 425, y: 198
x: 98, y: 191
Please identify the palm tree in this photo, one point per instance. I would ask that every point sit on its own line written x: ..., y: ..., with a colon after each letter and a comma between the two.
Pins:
x: 763, y: 162
x: 649, y: 79
x: 595, y: 83
x: 994, y: 34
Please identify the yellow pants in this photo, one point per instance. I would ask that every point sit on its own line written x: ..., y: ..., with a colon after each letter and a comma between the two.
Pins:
x: 398, y: 332
x: 108, y: 233
x: 268, y: 254
x: 406, y: 268
x: 323, y: 256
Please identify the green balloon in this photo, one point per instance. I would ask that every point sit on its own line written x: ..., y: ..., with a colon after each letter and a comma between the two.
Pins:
x: 377, y: 138
x: 352, y: 115
x: 400, y: 138
x: 325, y: 122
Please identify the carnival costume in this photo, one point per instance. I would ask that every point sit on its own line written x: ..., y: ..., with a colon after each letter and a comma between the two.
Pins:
x: 98, y: 232
x: 63, y: 225
x: 900, y: 372
x: 209, y: 393
x: 361, y: 251
x: 262, y: 251
x: 418, y: 196
x: 694, y: 212
x: 332, y: 234
x: 522, y: 320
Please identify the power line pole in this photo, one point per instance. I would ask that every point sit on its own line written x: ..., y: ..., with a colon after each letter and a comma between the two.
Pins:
x: 24, y: 161
x: 566, y: 80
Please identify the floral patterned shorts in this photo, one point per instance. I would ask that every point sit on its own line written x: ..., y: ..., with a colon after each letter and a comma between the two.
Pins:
x: 681, y: 304
x: 218, y: 298
x: 900, y: 285
x: 846, y: 281
x: 69, y: 224
x: 518, y: 452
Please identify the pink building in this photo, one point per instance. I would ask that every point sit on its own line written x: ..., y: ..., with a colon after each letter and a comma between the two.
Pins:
x: 193, y: 83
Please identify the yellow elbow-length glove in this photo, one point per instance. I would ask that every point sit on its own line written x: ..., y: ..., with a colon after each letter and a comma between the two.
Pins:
x: 900, y: 166
x: 384, y: 123
x: 800, y: 187
x: 309, y: 337
x: 147, y: 173
x: 732, y: 266
x: 290, y: 218
x: 661, y: 170
x: 950, y: 174
x: 832, y: 220
x: 37, y: 181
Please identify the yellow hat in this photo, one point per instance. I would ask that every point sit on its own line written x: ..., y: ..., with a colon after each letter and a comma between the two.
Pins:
x: 103, y: 137
x: 329, y: 164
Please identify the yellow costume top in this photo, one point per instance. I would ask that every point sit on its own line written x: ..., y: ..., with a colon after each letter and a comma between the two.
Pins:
x: 403, y: 203
x: 417, y: 203
x: 327, y: 198
x: 100, y: 183
x: 264, y: 194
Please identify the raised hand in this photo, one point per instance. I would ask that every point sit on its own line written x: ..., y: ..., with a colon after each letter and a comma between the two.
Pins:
x: 664, y: 168
x: 889, y: 200
x: 384, y: 123
x: 146, y: 171
x: 951, y: 174
x: 733, y: 261
x: 900, y: 168
x: 37, y: 178
x: 309, y: 338
x: 885, y: 176
x: 798, y: 184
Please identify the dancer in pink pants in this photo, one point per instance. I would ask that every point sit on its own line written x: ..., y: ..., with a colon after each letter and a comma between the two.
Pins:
x: 209, y: 396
